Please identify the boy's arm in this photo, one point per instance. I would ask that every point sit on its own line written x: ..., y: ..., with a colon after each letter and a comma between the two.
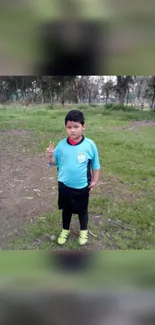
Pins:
x: 52, y: 161
x: 95, y: 175
x: 95, y: 166
x: 95, y: 178
x: 52, y: 154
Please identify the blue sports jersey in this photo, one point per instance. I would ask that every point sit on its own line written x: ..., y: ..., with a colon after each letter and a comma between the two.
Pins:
x: 75, y: 162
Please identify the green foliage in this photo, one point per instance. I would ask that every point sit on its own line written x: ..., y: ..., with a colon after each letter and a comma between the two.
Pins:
x: 93, y: 105
x: 82, y: 106
x: 119, y: 107
x: 109, y: 105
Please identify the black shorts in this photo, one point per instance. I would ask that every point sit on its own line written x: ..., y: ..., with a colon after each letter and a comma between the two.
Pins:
x: 76, y: 200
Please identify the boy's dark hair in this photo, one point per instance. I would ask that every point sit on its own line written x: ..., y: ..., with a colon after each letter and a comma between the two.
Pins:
x: 74, y: 116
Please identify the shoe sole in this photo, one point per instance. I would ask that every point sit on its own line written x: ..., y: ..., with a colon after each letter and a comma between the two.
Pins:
x: 83, y: 244
x: 62, y: 243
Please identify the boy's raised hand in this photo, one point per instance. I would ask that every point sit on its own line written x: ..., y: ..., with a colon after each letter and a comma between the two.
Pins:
x: 50, y: 150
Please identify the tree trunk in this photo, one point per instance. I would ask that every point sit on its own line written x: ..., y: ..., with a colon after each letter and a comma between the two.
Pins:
x: 33, y: 98
x: 153, y: 98
x: 138, y: 94
x: 127, y: 96
x: 89, y: 96
x: 50, y: 97
x: 62, y: 96
x: 116, y: 97
x: 107, y: 95
x: 23, y: 90
x: 122, y: 96
x: 76, y: 91
x: 16, y: 81
x: 76, y: 100
x: 42, y: 98
x: 62, y: 99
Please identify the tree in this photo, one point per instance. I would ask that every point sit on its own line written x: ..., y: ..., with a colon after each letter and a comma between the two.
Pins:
x: 107, y: 88
x: 75, y: 89
x: 64, y: 82
x: 122, y: 87
x: 88, y: 88
x: 139, y: 87
x: 150, y: 90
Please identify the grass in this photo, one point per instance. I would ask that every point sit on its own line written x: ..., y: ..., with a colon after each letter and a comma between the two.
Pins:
x: 122, y: 206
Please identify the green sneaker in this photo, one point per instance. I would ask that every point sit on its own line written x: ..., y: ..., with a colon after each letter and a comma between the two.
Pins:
x: 63, y: 236
x: 83, y: 237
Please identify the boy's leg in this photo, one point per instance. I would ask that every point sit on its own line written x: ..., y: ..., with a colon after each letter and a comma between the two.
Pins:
x: 66, y: 218
x: 83, y: 219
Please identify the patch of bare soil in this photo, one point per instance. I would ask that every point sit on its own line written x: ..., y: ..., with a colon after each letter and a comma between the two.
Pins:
x: 28, y: 187
x: 133, y: 125
x: 18, y: 132
x: 136, y: 125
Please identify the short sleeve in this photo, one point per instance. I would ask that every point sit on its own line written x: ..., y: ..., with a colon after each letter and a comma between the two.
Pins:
x: 95, y: 163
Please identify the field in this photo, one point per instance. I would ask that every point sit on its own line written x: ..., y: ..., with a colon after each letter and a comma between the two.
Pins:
x: 121, y: 210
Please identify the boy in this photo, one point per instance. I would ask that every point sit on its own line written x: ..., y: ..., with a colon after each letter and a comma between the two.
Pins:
x: 74, y: 156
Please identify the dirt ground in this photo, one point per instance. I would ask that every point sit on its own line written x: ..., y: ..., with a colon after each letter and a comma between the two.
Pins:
x: 136, y: 125
x: 27, y: 185
x: 133, y: 125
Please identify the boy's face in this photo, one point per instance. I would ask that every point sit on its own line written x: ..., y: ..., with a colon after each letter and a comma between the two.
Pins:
x: 74, y: 130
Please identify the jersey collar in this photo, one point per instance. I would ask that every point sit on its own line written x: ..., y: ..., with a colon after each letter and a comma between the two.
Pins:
x: 77, y: 142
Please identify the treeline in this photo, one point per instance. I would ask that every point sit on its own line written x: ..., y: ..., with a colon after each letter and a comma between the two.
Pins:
x: 77, y: 89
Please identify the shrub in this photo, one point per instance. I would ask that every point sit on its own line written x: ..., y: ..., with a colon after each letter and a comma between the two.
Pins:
x: 109, y: 105
x: 83, y: 106
x: 93, y: 105
x: 120, y: 107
